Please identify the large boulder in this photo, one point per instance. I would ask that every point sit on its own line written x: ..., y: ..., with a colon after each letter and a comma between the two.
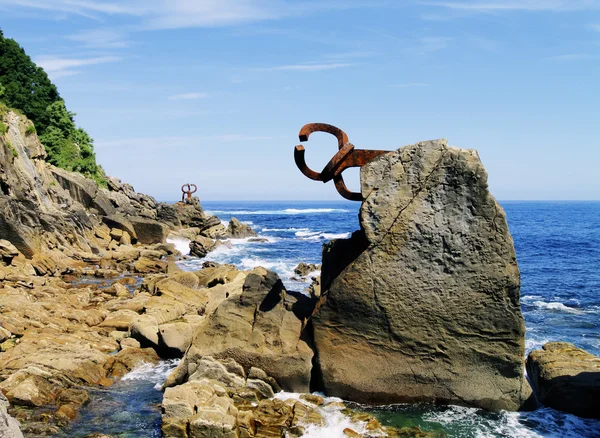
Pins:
x: 422, y: 304
x: 239, y: 230
x: 201, y: 246
x: 259, y: 332
x: 566, y: 378
x: 190, y: 213
x: 149, y: 231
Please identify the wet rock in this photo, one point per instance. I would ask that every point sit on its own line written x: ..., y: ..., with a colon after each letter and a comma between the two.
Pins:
x: 129, y: 359
x: 566, y: 378
x: 201, y: 246
x: 303, y: 269
x: 313, y: 398
x: 429, y: 287
x: 239, y: 230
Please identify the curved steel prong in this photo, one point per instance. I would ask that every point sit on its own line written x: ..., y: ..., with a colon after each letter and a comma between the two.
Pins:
x: 310, y: 128
x: 301, y: 163
x: 340, y: 186
x: 333, y: 167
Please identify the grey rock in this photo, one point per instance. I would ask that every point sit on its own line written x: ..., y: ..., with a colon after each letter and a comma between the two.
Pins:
x: 201, y: 246
x: 239, y: 230
x: 422, y: 304
x: 84, y: 191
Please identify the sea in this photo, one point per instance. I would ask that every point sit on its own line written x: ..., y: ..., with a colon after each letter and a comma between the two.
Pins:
x: 558, y: 250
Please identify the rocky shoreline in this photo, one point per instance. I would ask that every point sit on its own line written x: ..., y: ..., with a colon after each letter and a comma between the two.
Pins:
x: 420, y: 305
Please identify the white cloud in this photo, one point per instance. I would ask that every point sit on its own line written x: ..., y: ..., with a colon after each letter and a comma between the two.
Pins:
x: 571, y: 57
x: 410, y: 85
x: 86, y: 8
x: 173, y: 142
x: 517, y: 5
x: 595, y: 27
x: 188, y: 96
x: 58, y: 67
x: 174, y: 14
x: 309, y: 67
x: 105, y: 38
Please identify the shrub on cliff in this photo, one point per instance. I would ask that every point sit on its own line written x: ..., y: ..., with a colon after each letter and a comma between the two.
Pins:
x: 26, y: 87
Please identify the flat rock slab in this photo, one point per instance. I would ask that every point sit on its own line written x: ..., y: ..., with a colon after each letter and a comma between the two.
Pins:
x: 422, y: 304
x: 566, y: 378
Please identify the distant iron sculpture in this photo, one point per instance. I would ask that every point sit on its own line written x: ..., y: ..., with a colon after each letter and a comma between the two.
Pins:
x: 188, y: 190
x: 347, y: 156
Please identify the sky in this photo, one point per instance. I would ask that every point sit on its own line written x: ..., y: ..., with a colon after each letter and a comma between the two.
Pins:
x: 214, y: 92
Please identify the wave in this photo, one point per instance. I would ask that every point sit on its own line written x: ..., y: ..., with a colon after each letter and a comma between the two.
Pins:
x: 290, y: 211
x: 153, y: 373
x: 317, y: 235
x: 556, y: 307
x: 284, y: 269
x: 335, y: 421
x: 181, y: 244
x: 292, y: 229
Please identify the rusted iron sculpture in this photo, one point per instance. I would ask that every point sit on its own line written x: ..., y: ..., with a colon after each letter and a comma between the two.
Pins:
x: 188, y: 191
x: 347, y: 156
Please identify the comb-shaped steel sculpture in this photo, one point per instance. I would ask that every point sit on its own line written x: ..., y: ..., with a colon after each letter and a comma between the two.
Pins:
x: 347, y: 156
x: 187, y: 191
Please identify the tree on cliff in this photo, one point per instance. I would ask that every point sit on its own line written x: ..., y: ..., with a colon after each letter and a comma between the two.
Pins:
x: 27, y: 88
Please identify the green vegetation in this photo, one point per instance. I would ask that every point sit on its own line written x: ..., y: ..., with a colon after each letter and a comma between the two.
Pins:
x: 3, y: 128
x: 30, y: 130
x: 26, y: 87
x: 12, y: 149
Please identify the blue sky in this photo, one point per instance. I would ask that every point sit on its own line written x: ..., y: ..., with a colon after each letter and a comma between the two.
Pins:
x: 214, y: 91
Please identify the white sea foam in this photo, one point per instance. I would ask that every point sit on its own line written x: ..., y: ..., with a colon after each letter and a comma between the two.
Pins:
x: 285, y: 229
x: 317, y: 235
x: 153, y: 373
x: 181, y: 244
x: 544, y: 422
x: 290, y: 211
x: 284, y: 269
x: 556, y: 307
x: 335, y: 421
x: 534, y: 344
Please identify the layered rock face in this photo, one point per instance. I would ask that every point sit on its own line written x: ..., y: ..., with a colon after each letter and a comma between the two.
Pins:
x: 35, y: 211
x: 45, y: 208
x: 422, y: 304
x: 566, y: 378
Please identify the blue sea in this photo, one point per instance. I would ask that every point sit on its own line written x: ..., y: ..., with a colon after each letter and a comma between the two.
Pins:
x: 558, y: 250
